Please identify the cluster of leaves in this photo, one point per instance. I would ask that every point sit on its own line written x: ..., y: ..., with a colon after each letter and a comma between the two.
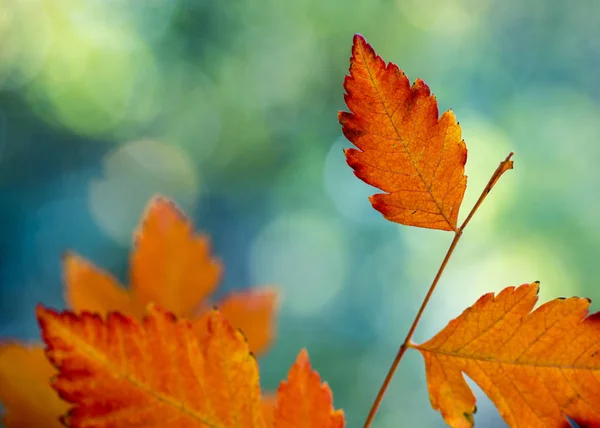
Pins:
x: 155, y: 355
x: 536, y: 367
x: 171, y: 267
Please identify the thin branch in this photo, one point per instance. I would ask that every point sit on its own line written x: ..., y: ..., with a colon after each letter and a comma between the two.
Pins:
x: 504, y: 166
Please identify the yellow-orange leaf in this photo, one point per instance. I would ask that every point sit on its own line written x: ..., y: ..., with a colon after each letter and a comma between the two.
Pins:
x: 303, y: 401
x: 404, y: 149
x: 535, y: 366
x: 170, y: 265
x: 120, y: 373
x: 24, y: 378
x: 173, y: 268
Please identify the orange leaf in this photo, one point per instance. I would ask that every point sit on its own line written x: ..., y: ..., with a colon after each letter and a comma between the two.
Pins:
x: 404, y: 149
x: 252, y: 312
x: 173, y: 268
x: 24, y: 378
x: 535, y: 366
x: 91, y: 289
x: 303, y: 401
x: 120, y: 373
x: 170, y: 265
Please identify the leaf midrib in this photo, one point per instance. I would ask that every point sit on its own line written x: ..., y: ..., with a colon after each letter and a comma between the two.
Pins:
x: 503, y: 361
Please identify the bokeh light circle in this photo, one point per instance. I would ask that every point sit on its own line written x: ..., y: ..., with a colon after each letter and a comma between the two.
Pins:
x: 133, y: 173
x: 302, y: 253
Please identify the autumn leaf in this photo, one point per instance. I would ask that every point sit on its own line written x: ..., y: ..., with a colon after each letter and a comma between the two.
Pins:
x: 303, y: 401
x: 122, y: 373
x: 24, y: 389
x: 536, y: 366
x: 171, y: 264
x: 173, y: 268
x: 404, y: 149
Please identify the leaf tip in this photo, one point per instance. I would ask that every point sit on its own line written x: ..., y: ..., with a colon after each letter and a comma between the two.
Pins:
x: 41, y: 312
x: 358, y: 39
x: 361, y: 48
x: 158, y: 201
x: 162, y: 207
x: 302, y: 358
x: 421, y: 86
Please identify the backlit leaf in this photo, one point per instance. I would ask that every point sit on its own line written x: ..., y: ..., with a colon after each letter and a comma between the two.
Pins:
x: 536, y: 366
x: 404, y: 149
x: 172, y: 267
x: 303, y: 401
x: 122, y: 373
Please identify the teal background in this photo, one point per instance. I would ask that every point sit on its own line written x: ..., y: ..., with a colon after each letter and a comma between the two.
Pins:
x: 230, y: 109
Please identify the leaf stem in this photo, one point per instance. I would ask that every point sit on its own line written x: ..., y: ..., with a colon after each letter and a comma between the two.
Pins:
x: 504, y: 166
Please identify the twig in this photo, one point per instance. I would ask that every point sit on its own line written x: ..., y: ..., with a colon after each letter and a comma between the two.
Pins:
x: 504, y: 166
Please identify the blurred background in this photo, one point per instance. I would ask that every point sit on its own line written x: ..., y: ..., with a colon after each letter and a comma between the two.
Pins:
x: 229, y: 108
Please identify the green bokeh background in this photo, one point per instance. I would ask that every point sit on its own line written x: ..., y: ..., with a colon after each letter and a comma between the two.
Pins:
x: 230, y: 109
